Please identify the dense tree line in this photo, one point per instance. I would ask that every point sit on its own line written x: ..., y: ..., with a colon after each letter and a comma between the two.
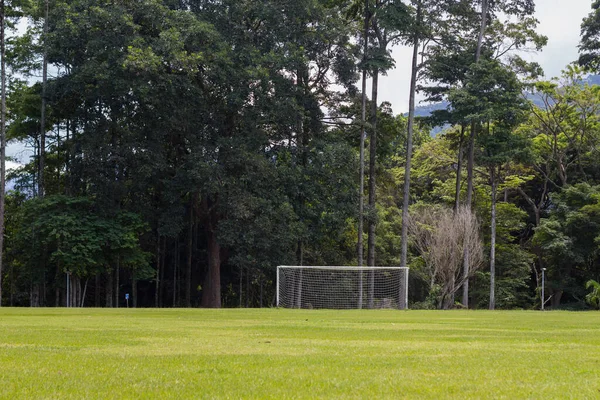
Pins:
x: 184, y: 149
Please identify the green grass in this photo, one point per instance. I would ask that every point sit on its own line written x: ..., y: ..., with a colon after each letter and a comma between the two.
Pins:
x: 126, y: 353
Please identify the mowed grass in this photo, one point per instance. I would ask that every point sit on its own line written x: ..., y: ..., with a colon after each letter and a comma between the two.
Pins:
x: 270, y: 353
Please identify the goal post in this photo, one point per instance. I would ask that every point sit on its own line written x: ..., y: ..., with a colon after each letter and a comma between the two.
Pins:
x: 334, y: 287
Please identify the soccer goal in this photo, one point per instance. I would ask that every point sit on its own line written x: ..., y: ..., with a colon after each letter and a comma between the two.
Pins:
x: 342, y: 287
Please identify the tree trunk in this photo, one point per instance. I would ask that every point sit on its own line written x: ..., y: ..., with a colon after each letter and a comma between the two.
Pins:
x: 482, y: 28
x: 188, y: 267
x: 43, y: 110
x: 117, y: 283
x: 556, y: 297
x: 409, y: 145
x: 363, y: 120
x: 493, y: 243
x: 56, y: 286
x: 299, y: 291
x: 109, y: 288
x: 241, y: 285
x: 468, y: 204
x: 134, y: 291
x: 84, y: 292
x: 158, y: 271
x: 211, y: 292
x: 97, y: 291
x: 163, y: 258
x: 175, y: 271
x: 471, y: 155
x: 372, y: 187
x: 2, y: 138
x: 459, y: 168
x: 248, y: 287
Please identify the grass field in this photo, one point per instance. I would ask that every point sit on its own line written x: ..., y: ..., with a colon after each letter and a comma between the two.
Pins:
x: 269, y: 353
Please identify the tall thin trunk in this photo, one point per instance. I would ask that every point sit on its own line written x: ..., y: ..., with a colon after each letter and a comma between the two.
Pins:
x: 459, y: 168
x: 84, y: 292
x: 2, y: 138
x: 43, y: 111
x: 493, y: 243
x: 372, y: 186
x: 109, y: 288
x: 117, y: 283
x: 241, y: 285
x: 188, y: 266
x: 134, y: 291
x: 363, y: 120
x: 158, y: 271
x: 409, y: 144
x: 11, y: 272
x: 97, y: 291
x: 175, y: 271
x: 471, y: 154
x: 57, y: 276
x: 468, y: 204
x: 248, y: 287
x: 372, y: 170
x: 67, y: 159
x: 211, y: 291
x: 163, y: 263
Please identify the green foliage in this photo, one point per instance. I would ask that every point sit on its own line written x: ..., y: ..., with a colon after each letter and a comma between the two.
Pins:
x: 569, y: 237
x: 590, y: 38
x: 69, y: 234
x: 593, y: 298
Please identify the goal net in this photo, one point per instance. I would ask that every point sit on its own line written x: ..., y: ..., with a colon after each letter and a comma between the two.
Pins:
x: 342, y: 287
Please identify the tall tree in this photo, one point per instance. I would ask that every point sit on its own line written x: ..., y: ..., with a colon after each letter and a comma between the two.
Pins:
x: 363, y: 133
x: 2, y: 135
x: 589, y: 46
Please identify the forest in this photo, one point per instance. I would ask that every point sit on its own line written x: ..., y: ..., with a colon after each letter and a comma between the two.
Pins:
x: 183, y: 149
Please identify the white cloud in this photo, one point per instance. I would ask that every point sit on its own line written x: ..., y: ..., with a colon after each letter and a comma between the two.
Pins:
x: 12, y: 165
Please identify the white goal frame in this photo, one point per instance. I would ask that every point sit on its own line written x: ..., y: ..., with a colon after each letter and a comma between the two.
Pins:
x: 402, y: 283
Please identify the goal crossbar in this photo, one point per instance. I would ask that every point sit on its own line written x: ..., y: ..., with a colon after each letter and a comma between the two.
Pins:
x: 341, y: 287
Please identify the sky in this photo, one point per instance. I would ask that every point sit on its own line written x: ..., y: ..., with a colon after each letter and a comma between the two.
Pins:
x: 560, y: 21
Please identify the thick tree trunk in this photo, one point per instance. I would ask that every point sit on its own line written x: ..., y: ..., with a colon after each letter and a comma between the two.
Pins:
x: 211, y: 292
x: 493, y: 243
x: 482, y: 28
x: 409, y: 146
x: 556, y: 297
x: 372, y: 187
x: 2, y: 138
